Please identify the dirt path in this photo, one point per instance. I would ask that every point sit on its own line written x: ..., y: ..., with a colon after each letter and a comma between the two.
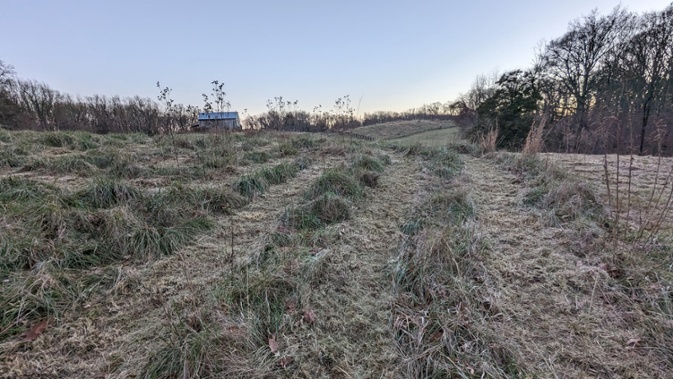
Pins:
x: 554, y: 303
x: 352, y: 297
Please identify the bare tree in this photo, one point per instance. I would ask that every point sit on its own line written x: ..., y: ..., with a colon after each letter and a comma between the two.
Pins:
x: 574, y: 59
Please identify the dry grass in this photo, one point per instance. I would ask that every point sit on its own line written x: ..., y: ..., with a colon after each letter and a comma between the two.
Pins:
x: 535, y: 138
x: 642, y: 182
x: 489, y: 141
x: 499, y: 270
x: 575, y: 302
x: 399, y: 129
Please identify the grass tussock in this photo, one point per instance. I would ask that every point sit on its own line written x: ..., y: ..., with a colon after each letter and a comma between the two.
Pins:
x: 369, y: 163
x: 338, y: 181
x: 324, y: 210
x: 443, y: 161
x: 552, y: 190
x: 441, y: 318
x: 259, y: 181
x: 256, y: 156
x: 105, y: 193
x: 106, y: 222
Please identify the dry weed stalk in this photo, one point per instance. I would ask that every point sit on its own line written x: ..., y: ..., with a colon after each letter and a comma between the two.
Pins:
x: 535, y: 138
x: 489, y: 141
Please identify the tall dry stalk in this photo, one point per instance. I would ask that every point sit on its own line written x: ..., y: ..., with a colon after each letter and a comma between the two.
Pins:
x: 489, y: 141
x: 535, y: 138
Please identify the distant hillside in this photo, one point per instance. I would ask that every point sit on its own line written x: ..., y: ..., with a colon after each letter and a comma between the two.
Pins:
x: 398, y: 129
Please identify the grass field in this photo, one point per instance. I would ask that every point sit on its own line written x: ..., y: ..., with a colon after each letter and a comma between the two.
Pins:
x: 400, y: 129
x: 434, y: 138
x: 314, y: 256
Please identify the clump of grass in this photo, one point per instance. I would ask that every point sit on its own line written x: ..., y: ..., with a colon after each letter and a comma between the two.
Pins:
x: 5, y: 136
x: 572, y: 201
x: 57, y: 139
x: 330, y: 209
x: 105, y: 193
x: 42, y: 294
x: 183, y: 143
x: 368, y: 163
x: 259, y: 181
x: 151, y: 242
x: 338, y: 181
x: 116, y: 165
x: 551, y: 189
x: 325, y: 210
x: 287, y: 150
x: 279, y: 173
x: 218, y: 156
x: 257, y: 156
x: 66, y: 164
x: 304, y: 142
x: 10, y: 158
x: 453, y: 207
x: 20, y: 189
x: 301, y: 218
x: 444, y: 162
x: 442, y: 326
x: 251, y: 185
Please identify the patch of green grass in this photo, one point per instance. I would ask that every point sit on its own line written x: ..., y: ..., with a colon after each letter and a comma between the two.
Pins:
x: 105, y: 193
x: 437, y: 276
x: 259, y: 181
x: 9, y: 157
x: 56, y: 139
x: 338, y: 181
x: 257, y: 156
x: 250, y: 185
x: 287, y: 150
x: 5, y: 136
x: 369, y: 163
x: 20, y: 189
x: 324, y: 210
x: 64, y: 164
x: 453, y: 207
x: 280, y: 173
x: 304, y: 142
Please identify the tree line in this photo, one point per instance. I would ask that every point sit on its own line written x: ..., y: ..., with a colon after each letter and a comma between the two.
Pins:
x: 606, y: 85
x: 29, y: 104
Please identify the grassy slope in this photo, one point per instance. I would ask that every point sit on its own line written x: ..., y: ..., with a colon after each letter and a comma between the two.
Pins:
x: 432, y: 265
x: 399, y: 129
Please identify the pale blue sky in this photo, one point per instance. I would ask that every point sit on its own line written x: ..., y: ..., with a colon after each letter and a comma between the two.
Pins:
x: 394, y: 54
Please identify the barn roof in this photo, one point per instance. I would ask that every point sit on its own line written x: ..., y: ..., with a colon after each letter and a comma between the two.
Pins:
x: 218, y: 116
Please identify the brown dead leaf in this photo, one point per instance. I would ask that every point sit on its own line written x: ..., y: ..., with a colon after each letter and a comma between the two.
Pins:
x: 291, y: 306
x: 285, y: 361
x: 273, y: 345
x: 309, y: 316
x: 436, y: 336
x: 36, y: 330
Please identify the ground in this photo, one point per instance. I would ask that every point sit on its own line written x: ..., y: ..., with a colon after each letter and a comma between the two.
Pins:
x: 306, y: 255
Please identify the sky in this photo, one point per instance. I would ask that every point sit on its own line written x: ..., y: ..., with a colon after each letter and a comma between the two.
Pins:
x: 386, y: 55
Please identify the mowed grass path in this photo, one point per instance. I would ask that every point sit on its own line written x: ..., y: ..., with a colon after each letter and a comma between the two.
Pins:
x: 399, y: 129
x: 432, y: 138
